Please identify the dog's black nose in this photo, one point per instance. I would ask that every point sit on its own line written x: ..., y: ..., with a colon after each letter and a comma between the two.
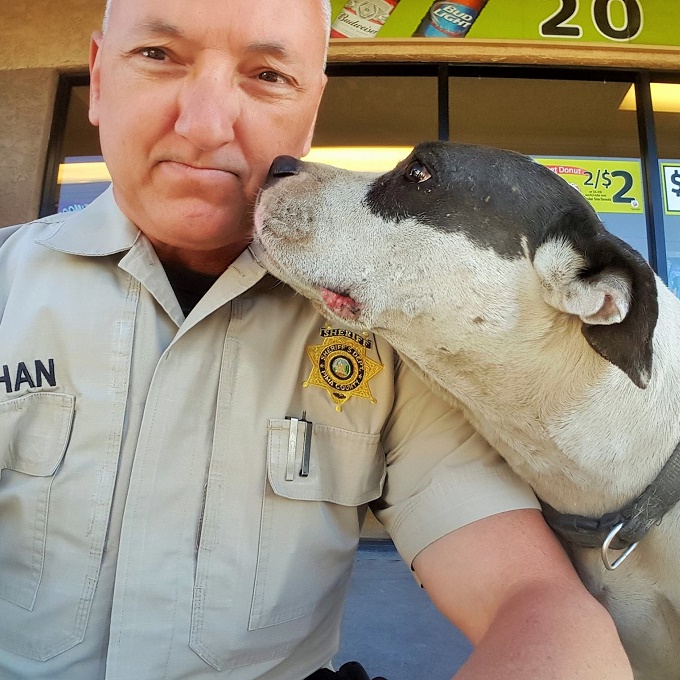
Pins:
x: 283, y: 166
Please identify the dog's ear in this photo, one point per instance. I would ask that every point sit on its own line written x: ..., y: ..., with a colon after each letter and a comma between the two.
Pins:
x: 586, y: 271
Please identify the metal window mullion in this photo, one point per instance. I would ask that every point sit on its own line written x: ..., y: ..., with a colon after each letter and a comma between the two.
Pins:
x: 651, y: 179
x: 443, y: 102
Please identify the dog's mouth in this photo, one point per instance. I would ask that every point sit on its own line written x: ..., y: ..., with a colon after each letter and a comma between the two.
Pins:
x: 340, y: 304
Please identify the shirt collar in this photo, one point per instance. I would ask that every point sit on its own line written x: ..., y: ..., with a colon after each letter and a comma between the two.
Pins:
x: 102, y: 229
x: 99, y: 229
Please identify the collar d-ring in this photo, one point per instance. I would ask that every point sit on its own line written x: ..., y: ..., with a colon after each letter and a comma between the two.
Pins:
x: 610, y: 566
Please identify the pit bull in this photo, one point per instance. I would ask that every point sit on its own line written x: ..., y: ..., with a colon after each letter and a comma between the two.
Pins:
x: 496, y: 281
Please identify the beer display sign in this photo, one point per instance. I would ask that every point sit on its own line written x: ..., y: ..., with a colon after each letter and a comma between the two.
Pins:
x: 650, y: 22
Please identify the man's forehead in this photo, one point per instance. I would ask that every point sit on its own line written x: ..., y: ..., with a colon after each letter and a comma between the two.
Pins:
x: 258, y: 26
x: 157, y: 27
x: 151, y: 15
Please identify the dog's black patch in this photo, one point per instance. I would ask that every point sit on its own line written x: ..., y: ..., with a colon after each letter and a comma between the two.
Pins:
x: 627, y: 344
x: 497, y: 198
x: 494, y: 197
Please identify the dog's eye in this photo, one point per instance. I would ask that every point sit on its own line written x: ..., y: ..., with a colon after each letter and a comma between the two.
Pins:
x: 417, y: 172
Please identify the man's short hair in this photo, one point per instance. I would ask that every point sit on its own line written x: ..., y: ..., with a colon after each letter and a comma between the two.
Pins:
x: 325, y: 7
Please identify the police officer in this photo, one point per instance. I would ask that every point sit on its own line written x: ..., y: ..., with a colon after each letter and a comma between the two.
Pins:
x: 187, y: 451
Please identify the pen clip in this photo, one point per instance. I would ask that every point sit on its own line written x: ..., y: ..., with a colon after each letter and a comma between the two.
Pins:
x: 306, y: 445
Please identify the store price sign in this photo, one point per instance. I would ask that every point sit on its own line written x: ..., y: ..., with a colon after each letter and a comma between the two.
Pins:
x: 671, y: 188
x: 610, y: 185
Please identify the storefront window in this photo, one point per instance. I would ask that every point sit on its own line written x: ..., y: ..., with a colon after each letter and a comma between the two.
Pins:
x: 575, y: 127
x: 666, y: 104
x: 371, y: 123
x: 81, y: 174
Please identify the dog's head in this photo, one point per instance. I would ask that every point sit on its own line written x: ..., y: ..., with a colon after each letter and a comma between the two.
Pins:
x: 455, y: 243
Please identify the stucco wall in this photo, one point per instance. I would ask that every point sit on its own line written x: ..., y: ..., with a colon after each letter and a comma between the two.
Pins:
x: 47, y: 34
x: 26, y: 104
x: 40, y: 39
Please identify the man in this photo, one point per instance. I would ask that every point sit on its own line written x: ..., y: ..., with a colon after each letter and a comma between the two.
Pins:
x: 174, y: 504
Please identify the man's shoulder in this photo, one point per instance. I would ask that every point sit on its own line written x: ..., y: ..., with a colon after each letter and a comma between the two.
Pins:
x: 31, y: 230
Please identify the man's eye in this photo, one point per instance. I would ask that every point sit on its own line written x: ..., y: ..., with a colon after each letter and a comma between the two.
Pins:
x: 417, y: 172
x: 154, y: 53
x: 272, y: 77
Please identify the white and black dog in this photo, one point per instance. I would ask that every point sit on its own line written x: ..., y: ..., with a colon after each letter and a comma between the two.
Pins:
x: 497, y: 282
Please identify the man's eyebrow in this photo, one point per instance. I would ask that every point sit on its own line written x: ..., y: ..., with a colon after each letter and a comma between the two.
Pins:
x: 276, y: 49
x: 159, y: 27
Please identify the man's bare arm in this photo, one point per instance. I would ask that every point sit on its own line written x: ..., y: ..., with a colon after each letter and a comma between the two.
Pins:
x: 508, y: 585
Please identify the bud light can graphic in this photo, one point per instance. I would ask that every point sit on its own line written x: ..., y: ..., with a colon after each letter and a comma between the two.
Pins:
x: 362, y: 18
x: 450, y: 19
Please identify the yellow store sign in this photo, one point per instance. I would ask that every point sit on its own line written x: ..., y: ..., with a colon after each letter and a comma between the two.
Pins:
x: 647, y: 22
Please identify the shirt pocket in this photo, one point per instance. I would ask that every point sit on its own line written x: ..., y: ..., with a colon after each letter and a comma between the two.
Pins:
x: 310, y: 523
x: 35, y: 432
x: 309, y: 530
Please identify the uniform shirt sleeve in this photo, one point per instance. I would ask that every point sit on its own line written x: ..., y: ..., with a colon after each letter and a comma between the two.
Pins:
x: 441, y: 474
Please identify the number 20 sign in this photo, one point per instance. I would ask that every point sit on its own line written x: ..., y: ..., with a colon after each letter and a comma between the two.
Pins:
x: 614, y: 23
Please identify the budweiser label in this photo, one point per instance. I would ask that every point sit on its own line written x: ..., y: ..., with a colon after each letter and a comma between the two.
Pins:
x: 362, y: 18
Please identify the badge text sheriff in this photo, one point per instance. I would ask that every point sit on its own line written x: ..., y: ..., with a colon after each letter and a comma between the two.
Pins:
x: 12, y: 380
x: 341, y: 332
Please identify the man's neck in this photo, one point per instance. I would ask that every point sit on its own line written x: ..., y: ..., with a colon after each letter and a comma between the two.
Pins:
x: 211, y: 262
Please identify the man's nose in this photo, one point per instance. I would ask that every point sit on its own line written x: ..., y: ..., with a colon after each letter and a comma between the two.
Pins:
x: 208, y: 111
x: 283, y: 166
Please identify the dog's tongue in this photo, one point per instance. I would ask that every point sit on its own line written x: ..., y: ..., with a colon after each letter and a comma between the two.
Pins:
x: 341, y: 305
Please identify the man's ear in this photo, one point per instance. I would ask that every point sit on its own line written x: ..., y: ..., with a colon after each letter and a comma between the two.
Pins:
x: 586, y: 271
x: 95, y: 79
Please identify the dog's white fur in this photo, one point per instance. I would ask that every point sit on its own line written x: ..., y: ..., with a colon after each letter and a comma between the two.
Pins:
x: 503, y: 337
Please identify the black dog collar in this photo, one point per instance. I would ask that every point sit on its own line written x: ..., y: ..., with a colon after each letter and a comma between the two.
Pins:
x: 622, y: 530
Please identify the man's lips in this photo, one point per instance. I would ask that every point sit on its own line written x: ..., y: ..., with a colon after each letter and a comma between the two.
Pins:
x: 178, y: 166
x: 341, y: 305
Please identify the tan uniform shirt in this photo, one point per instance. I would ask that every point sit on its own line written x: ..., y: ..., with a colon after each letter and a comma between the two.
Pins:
x: 154, y: 524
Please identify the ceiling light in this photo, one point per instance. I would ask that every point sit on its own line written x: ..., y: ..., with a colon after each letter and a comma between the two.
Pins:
x: 361, y: 158
x: 83, y: 173
x: 665, y: 98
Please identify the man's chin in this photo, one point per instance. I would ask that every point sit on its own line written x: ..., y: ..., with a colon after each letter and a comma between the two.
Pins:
x: 195, y: 219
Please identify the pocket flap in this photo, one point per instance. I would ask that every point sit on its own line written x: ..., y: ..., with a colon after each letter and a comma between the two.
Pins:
x: 35, y: 432
x: 345, y: 467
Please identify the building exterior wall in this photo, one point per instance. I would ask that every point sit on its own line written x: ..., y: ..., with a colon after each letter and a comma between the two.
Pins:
x: 26, y: 108
x: 40, y: 39
x: 47, y: 34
